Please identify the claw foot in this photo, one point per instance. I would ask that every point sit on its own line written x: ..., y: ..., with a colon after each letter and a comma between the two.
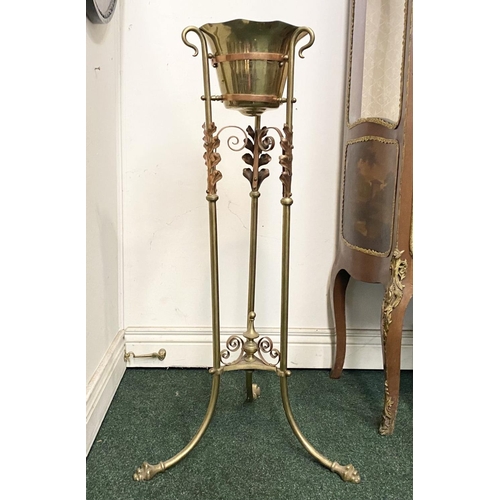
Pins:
x: 346, y: 472
x: 255, y: 391
x: 147, y: 471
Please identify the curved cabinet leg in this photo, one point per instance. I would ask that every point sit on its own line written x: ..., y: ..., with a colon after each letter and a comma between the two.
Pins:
x: 147, y: 471
x: 396, y: 299
x: 392, y: 371
x: 339, y: 290
x: 346, y: 472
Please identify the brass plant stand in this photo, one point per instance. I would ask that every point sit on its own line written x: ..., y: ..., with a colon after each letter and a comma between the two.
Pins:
x: 254, y: 60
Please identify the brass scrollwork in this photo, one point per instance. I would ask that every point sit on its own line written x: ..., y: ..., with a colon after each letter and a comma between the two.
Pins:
x: 252, y: 349
x: 394, y: 292
x: 392, y: 298
x: 265, y: 345
x: 233, y: 344
x: 233, y: 141
x: 257, y: 143
x: 301, y: 32
x: 387, y: 424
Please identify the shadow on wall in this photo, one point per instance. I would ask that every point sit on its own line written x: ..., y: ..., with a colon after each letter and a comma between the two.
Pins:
x: 97, y: 32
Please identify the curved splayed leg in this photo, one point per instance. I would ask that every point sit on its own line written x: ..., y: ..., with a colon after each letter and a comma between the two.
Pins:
x: 147, y: 471
x: 346, y: 472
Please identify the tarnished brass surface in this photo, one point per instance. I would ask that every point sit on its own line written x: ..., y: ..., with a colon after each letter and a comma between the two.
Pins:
x: 258, y: 144
x: 147, y: 471
x: 253, y: 176
x: 249, y: 56
x: 250, y: 351
x: 270, y: 99
x: 388, y: 421
x: 346, y: 472
x: 214, y: 279
x: 253, y: 390
x: 252, y: 58
x: 238, y: 47
x: 394, y: 292
x: 286, y: 161
x: 204, y: 60
x: 250, y: 76
x: 211, y: 142
x: 160, y: 355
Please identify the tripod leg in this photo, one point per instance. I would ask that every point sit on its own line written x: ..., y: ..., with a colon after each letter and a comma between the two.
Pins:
x: 147, y: 471
x: 253, y: 390
x: 347, y: 472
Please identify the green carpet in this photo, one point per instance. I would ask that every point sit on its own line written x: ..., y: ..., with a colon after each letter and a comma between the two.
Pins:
x: 249, y: 450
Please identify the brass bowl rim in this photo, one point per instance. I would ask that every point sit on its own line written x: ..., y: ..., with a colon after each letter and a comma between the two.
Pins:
x: 248, y: 21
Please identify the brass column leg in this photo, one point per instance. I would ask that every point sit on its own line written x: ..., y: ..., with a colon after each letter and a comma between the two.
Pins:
x: 252, y: 271
x: 147, y: 471
x: 253, y: 391
x: 347, y: 472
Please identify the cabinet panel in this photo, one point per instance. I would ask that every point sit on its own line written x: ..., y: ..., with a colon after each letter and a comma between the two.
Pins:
x: 369, y: 197
x: 376, y: 61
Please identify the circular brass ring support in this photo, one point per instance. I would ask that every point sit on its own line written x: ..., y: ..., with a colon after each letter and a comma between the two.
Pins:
x: 247, y: 56
x: 250, y: 97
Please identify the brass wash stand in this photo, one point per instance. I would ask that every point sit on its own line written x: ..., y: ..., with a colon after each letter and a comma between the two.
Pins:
x: 254, y: 60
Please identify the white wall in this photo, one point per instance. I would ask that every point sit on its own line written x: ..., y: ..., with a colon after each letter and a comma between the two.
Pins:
x: 103, y: 217
x: 103, y: 172
x: 166, y: 262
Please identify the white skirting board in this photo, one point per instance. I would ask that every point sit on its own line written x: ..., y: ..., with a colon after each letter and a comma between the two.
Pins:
x: 102, y: 386
x: 307, y: 347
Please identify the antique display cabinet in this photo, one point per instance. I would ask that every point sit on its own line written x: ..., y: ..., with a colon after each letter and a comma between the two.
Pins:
x: 375, y: 243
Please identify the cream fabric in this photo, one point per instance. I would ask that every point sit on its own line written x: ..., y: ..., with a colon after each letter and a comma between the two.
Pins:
x: 383, y: 56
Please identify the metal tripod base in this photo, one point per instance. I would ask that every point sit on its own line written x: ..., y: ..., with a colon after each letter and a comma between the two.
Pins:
x: 147, y: 471
x: 252, y: 352
x: 347, y: 472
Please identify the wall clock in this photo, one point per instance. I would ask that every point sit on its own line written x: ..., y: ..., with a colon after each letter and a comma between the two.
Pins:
x: 100, y: 11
